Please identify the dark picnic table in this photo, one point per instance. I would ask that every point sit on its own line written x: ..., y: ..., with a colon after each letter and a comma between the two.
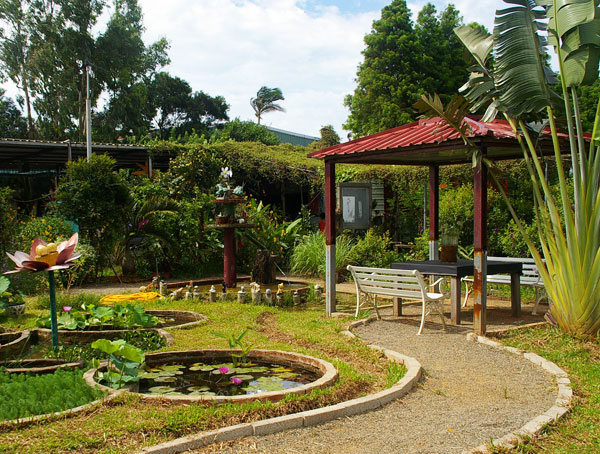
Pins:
x: 462, y: 268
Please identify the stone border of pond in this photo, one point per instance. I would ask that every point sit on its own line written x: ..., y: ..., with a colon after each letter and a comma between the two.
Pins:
x: 306, y: 418
x: 328, y: 371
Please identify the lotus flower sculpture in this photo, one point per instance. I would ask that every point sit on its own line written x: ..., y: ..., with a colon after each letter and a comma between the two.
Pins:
x: 47, y: 257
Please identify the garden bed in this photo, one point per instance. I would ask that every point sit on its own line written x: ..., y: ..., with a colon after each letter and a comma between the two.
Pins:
x: 174, y: 319
x: 324, y: 371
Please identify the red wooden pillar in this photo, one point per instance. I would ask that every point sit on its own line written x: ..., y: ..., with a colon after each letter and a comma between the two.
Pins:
x: 330, y: 275
x: 480, y: 247
x: 229, y: 272
x: 434, y: 203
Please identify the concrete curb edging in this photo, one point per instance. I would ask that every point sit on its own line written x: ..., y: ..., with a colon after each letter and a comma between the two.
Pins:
x: 306, y: 418
x: 561, y: 406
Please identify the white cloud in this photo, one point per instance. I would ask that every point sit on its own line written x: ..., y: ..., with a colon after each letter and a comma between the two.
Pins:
x: 232, y: 48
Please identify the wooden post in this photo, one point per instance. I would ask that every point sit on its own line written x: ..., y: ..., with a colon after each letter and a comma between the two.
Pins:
x: 330, y: 274
x: 480, y: 247
x: 434, y: 203
x: 229, y: 271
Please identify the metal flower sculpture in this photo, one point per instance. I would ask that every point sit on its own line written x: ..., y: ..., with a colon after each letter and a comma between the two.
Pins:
x: 47, y: 257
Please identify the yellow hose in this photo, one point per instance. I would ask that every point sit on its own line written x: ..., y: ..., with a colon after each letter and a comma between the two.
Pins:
x: 141, y: 296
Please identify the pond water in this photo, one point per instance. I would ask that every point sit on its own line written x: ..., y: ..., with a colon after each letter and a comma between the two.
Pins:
x: 222, y: 379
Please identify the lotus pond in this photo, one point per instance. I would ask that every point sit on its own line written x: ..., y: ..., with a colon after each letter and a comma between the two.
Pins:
x: 222, y: 379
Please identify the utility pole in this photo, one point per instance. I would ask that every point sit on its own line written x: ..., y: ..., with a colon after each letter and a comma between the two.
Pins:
x: 88, y: 111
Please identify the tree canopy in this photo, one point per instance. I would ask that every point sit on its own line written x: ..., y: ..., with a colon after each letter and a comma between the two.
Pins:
x: 403, y: 60
x: 46, y: 47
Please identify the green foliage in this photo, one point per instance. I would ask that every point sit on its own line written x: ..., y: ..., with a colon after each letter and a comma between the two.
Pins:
x: 235, y: 343
x: 8, y: 214
x: 403, y: 60
x: 94, y: 196
x: 373, y: 250
x: 270, y: 231
x: 144, y: 340
x: 124, y: 362
x: 8, y: 298
x: 329, y: 138
x: 12, y: 124
x: 265, y: 101
x: 23, y: 395
x: 308, y: 256
x: 513, y: 243
x: 245, y: 131
x: 113, y: 317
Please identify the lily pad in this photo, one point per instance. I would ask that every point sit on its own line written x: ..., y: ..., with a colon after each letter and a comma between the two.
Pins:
x: 166, y: 379
x: 265, y: 384
x: 281, y: 369
x: 286, y: 375
x: 250, y: 370
x: 161, y: 389
x: 244, y: 377
x: 173, y: 368
x: 198, y: 389
x: 202, y: 368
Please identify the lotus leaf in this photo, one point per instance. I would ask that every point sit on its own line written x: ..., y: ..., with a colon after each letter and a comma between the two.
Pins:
x: 265, y: 384
x: 249, y: 370
x: 281, y: 369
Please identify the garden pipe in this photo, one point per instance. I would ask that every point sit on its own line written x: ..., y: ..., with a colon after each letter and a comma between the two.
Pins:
x: 53, y: 321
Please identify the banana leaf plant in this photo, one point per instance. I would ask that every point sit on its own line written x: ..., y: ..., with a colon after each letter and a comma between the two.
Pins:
x: 511, y: 76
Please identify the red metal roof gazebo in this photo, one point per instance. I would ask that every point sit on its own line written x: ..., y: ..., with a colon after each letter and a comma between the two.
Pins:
x: 430, y: 142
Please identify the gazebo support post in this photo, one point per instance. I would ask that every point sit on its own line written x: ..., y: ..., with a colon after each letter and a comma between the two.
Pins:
x: 330, y: 272
x: 480, y: 247
x: 434, y: 203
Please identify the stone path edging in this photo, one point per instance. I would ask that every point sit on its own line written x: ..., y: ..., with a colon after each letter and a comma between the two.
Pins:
x: 306, y: 418
x: 561, y: 406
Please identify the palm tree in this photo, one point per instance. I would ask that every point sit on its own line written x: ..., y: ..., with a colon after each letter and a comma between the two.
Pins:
x: 265, y: 101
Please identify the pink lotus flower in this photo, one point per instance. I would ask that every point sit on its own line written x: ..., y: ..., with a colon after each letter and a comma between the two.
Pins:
x: 46, y: 256
x: 67, y: 308
x: 236, y: 381
x: 223, y: 369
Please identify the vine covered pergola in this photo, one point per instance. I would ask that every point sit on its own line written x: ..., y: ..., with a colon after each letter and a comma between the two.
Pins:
x: 432, y: 143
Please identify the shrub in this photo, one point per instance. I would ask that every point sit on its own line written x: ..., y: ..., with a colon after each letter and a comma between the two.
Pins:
x: 245, y: 131
x: 512, y: 242
x: 8, y: 214
x: 373, y: 250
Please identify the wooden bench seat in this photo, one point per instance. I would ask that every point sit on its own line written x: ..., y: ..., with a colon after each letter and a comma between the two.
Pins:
x: 406, y: 284
x: 529, y: 278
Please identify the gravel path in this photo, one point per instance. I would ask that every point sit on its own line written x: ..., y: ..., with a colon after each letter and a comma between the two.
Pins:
x: 470, y: 394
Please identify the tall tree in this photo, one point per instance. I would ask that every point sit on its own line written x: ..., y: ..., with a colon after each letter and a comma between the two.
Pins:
x: 12, y: 124
x: 265, y: 101
x: 403, y: 60
x: 15, y: 47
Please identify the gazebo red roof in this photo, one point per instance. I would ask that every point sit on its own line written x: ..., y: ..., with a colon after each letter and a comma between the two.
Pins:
x: 427, y: 141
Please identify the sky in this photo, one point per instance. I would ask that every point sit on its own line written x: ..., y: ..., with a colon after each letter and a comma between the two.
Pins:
x: 309, y: 48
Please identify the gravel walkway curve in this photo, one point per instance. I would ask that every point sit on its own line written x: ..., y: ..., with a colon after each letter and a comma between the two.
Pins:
x: 471, y: 393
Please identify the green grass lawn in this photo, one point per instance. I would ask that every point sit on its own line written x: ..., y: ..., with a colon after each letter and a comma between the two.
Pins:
x: 128, y: 423
x: 579, y: 431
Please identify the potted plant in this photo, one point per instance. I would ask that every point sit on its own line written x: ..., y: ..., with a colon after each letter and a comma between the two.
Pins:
x: 13, y: 304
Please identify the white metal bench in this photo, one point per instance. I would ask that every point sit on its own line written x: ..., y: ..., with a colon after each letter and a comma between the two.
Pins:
x: 529, y: 278
x: 408, y: 284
